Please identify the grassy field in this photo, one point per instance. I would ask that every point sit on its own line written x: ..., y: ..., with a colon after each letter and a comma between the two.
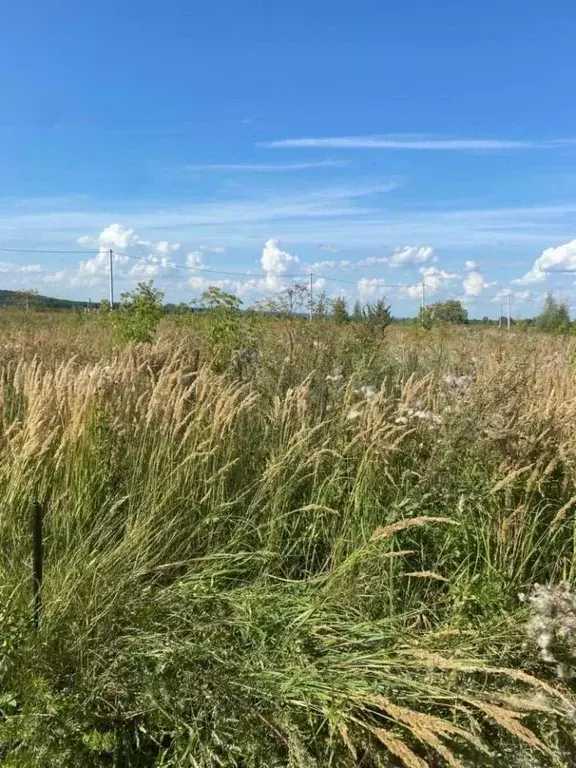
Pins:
x: 310, y: 554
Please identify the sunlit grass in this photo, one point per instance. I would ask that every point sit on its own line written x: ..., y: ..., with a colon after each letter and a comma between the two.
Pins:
x: 238, y: 573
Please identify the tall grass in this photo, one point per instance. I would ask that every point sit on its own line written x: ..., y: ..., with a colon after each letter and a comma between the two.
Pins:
x: 314, y: 560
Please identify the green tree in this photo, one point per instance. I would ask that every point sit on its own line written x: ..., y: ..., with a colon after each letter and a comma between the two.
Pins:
x: 357, y: 315
x: 27, y: 298
x: 138, y: 314
x: 177, y: 309
x: 321, y: 306
x: 376, y: 317
x: 450, y: 311
x: 290, y: 305
x: 294, y: 299
x: 215, y: 299
x: 339, y: 311
x: 555, y: 316
x: 227, y: 334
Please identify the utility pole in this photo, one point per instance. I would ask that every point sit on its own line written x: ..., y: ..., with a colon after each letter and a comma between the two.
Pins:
x: 508, y: 311
x: 311, y: 297
x: 500, y: 315
x: 111, y: 255
x: 423, y: 301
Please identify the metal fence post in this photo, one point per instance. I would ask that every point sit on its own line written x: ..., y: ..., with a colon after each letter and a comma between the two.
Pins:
x: 37, y: 559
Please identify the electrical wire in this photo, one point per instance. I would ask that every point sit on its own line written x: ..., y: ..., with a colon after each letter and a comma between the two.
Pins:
x: 355, y: 282
x: 33, y: 250
x: 199, y: 269
x: 228, y: 273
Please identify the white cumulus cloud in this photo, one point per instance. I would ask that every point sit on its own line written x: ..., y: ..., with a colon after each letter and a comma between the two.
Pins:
x: 117, y: 236
x: 436, y: 278
x: 9, y: 269
x: 371, y: 286
x: 470, y: 264
x: 165, y: 248
x: 132, y: 256
x: 319, y: 284
x: 562, y: 257
x: 326, y: 264
x: 412, y: 254
x: 433, y: 278
x: 195, y: 260
x: 275, y: 262
x: 474, y: 284
x: 60, y: 276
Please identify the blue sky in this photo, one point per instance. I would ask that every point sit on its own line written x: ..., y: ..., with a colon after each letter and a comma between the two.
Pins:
x: 377, y: 144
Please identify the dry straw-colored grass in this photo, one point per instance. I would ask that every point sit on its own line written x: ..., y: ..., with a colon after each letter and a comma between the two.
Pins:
x: 240, y: 535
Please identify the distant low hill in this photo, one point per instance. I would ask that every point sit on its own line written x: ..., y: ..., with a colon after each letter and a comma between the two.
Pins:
x: 36, y: 301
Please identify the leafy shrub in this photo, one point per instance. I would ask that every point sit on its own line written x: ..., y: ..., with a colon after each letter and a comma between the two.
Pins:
x: 137, y: 316
x: 555, y: 316
x: 339, y: 311
x: 226, y: 332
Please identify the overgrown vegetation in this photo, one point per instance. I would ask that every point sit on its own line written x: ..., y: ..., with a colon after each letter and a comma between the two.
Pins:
x: 555, y: 316
x: 138, y: 314
x: 450, y: 311
x: 309, y: 559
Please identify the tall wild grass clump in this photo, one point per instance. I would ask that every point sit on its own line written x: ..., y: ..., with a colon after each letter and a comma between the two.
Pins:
x: 311, y: 560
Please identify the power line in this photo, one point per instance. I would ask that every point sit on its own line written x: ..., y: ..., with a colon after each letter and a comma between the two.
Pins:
x: 201, y: 269
x: 205, y: 270
x: 34, y: 250
x: 144, y: 259
x: 443, y: 290
x: 431, y: 287
x: 355, y: 282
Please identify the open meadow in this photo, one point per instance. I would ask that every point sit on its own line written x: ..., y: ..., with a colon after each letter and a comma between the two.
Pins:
x: 276, y: 543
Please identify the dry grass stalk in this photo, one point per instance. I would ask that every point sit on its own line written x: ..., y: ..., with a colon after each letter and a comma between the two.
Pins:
x: 563, y: 511
x: 426, y: 575
x: 398, y: 748
x: 386, y: 531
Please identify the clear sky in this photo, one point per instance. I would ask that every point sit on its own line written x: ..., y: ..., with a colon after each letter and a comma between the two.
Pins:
x: 374, y: 143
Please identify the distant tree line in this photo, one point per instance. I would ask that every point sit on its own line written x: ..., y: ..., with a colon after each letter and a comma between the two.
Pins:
x: 296, y: 300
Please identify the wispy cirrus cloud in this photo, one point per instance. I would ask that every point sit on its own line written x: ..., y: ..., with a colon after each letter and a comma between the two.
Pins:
x: 417, y: 143
x: 265, y: 167
x: 334, y: 264
x: 372, y: 261
x: 354, y: 216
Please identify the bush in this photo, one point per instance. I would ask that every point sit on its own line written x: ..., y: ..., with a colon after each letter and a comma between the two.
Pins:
x: 555, y: 316
x: 376, y: 318
x: 450, y: 311
x: 339, y: 311
x: 140, y: 311
x: 227, y: 334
